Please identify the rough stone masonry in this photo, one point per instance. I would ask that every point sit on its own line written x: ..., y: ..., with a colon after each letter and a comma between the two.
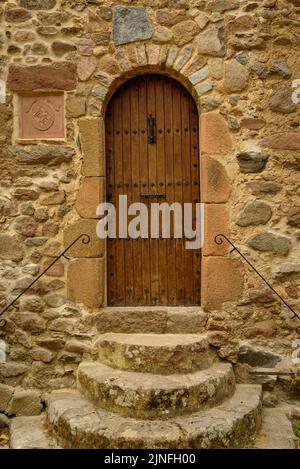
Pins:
x: 238, y: 59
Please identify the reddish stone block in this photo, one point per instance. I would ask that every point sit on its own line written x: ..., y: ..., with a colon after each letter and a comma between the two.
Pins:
x: 282, y: 141
x: 216, y: 221
x: 86, y: 282
x: 215, y: 183
x: 90, y: 195
x: 41, y: 116
x: 96, y: 246
x: 215, y: 137
x: 222, y: 280
x: 92, y: 142
x: 55, y: 76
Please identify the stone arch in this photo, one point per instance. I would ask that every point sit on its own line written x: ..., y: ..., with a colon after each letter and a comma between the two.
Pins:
x: 222, y: 278
x: 169, y: 72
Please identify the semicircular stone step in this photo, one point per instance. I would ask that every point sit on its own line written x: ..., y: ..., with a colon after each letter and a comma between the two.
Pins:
x: 76, y: 423
x: 156, y: 353
x: 145, y: 395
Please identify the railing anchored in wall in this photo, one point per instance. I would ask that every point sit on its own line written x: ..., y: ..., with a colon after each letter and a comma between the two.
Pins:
x: 84, y: 238
x: 220, y: 238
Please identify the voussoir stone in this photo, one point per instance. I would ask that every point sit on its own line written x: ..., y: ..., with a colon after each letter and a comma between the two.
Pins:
x: 255, y: 213
x: 58, y: 75
x: 273, y: 242
x: 42, y: 154
x: 252, y: 162
x: 130, y: 24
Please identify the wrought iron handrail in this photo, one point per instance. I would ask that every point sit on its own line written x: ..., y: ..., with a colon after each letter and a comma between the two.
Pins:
x: 219, y: 239
x: 85, y: 239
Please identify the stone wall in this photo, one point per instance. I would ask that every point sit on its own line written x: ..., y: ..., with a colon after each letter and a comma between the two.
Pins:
x: 238, y: 59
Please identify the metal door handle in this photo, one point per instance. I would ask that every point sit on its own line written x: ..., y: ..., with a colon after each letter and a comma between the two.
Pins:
x: 151, y: 129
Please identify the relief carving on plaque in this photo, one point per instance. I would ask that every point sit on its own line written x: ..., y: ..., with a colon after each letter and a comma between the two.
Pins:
x: 41, y: 117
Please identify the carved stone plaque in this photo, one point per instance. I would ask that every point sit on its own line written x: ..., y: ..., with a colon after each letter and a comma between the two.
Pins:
x: 41, y: 117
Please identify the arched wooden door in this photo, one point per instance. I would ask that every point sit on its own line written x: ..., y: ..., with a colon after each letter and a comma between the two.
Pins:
x: 152, y: 147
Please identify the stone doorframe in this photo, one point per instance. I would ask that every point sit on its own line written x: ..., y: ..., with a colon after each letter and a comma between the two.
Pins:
x: 222, y: 276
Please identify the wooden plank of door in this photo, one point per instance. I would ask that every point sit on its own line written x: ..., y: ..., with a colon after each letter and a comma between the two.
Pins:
x: 195, y: 167
x: 187, y: 192
x: 152, y: 155
x: 161, y: 187
x: 144, y: 186
x: 169, y: 158
x: 178, y: 188
x: 119, y: 182
x: 127, y: 175
x: 110, y: 188
x: 135, y: 159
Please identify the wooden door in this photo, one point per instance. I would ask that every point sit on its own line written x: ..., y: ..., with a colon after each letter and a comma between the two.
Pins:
x: 152, y: 147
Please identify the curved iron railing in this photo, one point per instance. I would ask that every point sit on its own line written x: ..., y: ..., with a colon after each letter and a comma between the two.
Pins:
x: 219, y: 239
x: 85, y: 239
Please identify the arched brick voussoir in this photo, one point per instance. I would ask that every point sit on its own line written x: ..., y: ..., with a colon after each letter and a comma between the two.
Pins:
x: 180, y: 63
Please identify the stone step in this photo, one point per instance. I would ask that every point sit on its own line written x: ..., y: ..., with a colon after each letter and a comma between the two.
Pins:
x: 145, y: 395
x: 31, y: 433
x: 79, y: 424
x: 276, y: 430
x: 156, y: 353
x: 147, y: 320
